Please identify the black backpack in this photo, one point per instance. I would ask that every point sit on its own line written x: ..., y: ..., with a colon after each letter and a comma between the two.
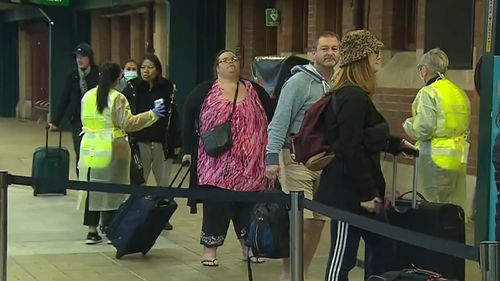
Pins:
x: 268, y: 232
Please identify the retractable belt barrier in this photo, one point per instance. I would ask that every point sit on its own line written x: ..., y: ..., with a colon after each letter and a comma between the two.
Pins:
x: 393, y: 232
x: 429, y: 242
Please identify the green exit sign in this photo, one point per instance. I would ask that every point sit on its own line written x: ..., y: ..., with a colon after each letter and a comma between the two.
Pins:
x: 63, y: 3
x: 273, y: 17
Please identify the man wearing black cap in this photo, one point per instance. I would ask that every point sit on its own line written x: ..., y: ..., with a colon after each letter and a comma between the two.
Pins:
x: 79, y: 81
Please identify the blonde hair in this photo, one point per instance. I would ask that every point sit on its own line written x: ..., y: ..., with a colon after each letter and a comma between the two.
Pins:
x: 358, y: 73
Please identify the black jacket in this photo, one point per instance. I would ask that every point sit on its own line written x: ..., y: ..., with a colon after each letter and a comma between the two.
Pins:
x: 72, y: 95
x: 162, y: 131
x: 192, y: 108
x: 357, y: 132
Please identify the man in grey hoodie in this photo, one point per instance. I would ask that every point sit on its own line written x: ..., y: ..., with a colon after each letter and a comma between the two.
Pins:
x: 306, y: 86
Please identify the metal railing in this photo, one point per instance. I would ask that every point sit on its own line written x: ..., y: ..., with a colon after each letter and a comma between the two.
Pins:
x: 488, y: 250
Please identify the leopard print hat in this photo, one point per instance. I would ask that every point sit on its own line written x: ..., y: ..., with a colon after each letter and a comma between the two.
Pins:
x: 357, y: 45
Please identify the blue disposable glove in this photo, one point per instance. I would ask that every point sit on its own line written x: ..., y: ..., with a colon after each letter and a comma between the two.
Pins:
x: 159, y: 110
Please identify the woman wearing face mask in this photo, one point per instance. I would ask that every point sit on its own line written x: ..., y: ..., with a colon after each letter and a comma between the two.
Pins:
x: 353, y: 181
x: 440, y: 125
x: 129, y: 73
x: 156, y: 143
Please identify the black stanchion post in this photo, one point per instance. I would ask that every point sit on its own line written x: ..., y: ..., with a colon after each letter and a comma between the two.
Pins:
x: 488, y: 259
x: 394, y: 180
x: 3, y: 225
x: 296, y: 235
x: 415, y: 186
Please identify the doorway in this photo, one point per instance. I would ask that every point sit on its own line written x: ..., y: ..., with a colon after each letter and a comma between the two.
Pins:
x: 37, y: 66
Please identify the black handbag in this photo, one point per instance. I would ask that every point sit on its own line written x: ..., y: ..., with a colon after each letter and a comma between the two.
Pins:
x: 219, y: 139
x: 136, y: 168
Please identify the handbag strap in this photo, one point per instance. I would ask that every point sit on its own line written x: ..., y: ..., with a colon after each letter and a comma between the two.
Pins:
x: 234, y: 102
x: 170, y: 110
x: 197, y: 122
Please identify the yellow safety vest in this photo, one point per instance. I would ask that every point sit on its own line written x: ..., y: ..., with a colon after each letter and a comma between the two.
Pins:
x: 98, y: 130
x: 449, y: 146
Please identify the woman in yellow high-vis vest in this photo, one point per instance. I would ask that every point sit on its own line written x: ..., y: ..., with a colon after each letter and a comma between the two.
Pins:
x: 104, y: 150
x: 440, y: 124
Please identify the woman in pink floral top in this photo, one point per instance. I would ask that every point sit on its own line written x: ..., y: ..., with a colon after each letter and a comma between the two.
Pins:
x: 242, y: 167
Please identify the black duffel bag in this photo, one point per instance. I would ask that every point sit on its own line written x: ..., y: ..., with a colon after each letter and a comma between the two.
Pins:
x: 414, y: 274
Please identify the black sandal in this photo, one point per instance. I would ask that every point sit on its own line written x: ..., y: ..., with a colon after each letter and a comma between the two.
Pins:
x: 210, y: 263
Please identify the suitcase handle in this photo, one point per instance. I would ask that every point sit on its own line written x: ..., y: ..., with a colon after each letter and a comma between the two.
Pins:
x: 47, y: 138
x: 184, y: 164
x: 414, y: 183
x: 419, y: 195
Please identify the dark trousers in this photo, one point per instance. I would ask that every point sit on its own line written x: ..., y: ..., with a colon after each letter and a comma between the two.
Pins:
x: 216, y: 218
x: 76, y: 129
x: 92, y: 218
x: 344, y: 249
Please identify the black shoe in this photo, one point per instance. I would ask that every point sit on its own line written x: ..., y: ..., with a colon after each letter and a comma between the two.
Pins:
x: 93, y: 238
x: 168, y: 226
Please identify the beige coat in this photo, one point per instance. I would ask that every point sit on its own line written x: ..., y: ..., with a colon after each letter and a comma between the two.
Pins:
x: 118, y: 170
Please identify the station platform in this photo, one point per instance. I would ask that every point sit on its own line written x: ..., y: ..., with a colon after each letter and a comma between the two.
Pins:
x: 46, y: 235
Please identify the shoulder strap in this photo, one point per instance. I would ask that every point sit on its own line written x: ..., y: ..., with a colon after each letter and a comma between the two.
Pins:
x: 197, y: 121
x: 234, y: 101
x: 171, y: 108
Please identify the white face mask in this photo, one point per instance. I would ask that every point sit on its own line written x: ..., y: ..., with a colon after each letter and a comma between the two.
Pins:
x: 129, y: 75
x: 422, y: 78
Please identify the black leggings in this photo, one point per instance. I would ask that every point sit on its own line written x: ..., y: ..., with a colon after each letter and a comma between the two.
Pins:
x: 92, y: 218
x: 216, y: 218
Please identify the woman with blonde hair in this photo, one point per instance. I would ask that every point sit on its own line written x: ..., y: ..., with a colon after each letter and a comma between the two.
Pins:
x: 353, y: 181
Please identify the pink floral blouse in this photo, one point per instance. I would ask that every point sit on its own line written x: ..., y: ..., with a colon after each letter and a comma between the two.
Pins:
x: 242, y: 168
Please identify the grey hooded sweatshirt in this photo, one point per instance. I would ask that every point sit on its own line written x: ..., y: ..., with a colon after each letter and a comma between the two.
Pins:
x: 299, y: 93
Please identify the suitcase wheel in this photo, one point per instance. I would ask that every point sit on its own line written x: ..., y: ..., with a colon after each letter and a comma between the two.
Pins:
x: 34, y: 192
x: 144, y: 253
x: 118, y: 255
x: 65, y: 193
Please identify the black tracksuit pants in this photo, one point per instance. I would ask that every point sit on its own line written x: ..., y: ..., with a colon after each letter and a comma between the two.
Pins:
x: 344, y: 250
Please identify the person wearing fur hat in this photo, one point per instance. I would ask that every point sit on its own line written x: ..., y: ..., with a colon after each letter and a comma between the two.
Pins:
x: 353, y: 181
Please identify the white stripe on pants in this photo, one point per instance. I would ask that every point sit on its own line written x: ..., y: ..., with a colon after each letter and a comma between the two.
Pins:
x: 338, y: 252
x: 153, y: 158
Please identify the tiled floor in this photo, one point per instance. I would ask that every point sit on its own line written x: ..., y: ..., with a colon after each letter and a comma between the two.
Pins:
x: 46, y: 235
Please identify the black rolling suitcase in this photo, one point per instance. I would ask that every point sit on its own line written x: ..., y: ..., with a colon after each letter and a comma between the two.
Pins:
x: 50, y: 162
x: 437, y: 219
x: 140, y: 220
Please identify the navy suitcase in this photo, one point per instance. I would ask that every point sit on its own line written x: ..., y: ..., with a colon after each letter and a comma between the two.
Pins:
x: 50, y: 163
x: 140, y: 220
x: 437, y: 219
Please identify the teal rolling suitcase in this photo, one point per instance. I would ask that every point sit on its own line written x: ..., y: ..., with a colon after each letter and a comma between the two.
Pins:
x: 50, y: 163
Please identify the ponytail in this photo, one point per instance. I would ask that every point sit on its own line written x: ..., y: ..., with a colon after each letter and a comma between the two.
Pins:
x: 108, y: 74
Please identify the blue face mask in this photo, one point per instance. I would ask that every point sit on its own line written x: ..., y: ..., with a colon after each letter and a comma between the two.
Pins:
x: 129, y: 75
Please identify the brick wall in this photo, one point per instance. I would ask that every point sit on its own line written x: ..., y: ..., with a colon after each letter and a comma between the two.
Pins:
x: 256, y: 38
x: 395, y: 106
x: 385, y: 20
